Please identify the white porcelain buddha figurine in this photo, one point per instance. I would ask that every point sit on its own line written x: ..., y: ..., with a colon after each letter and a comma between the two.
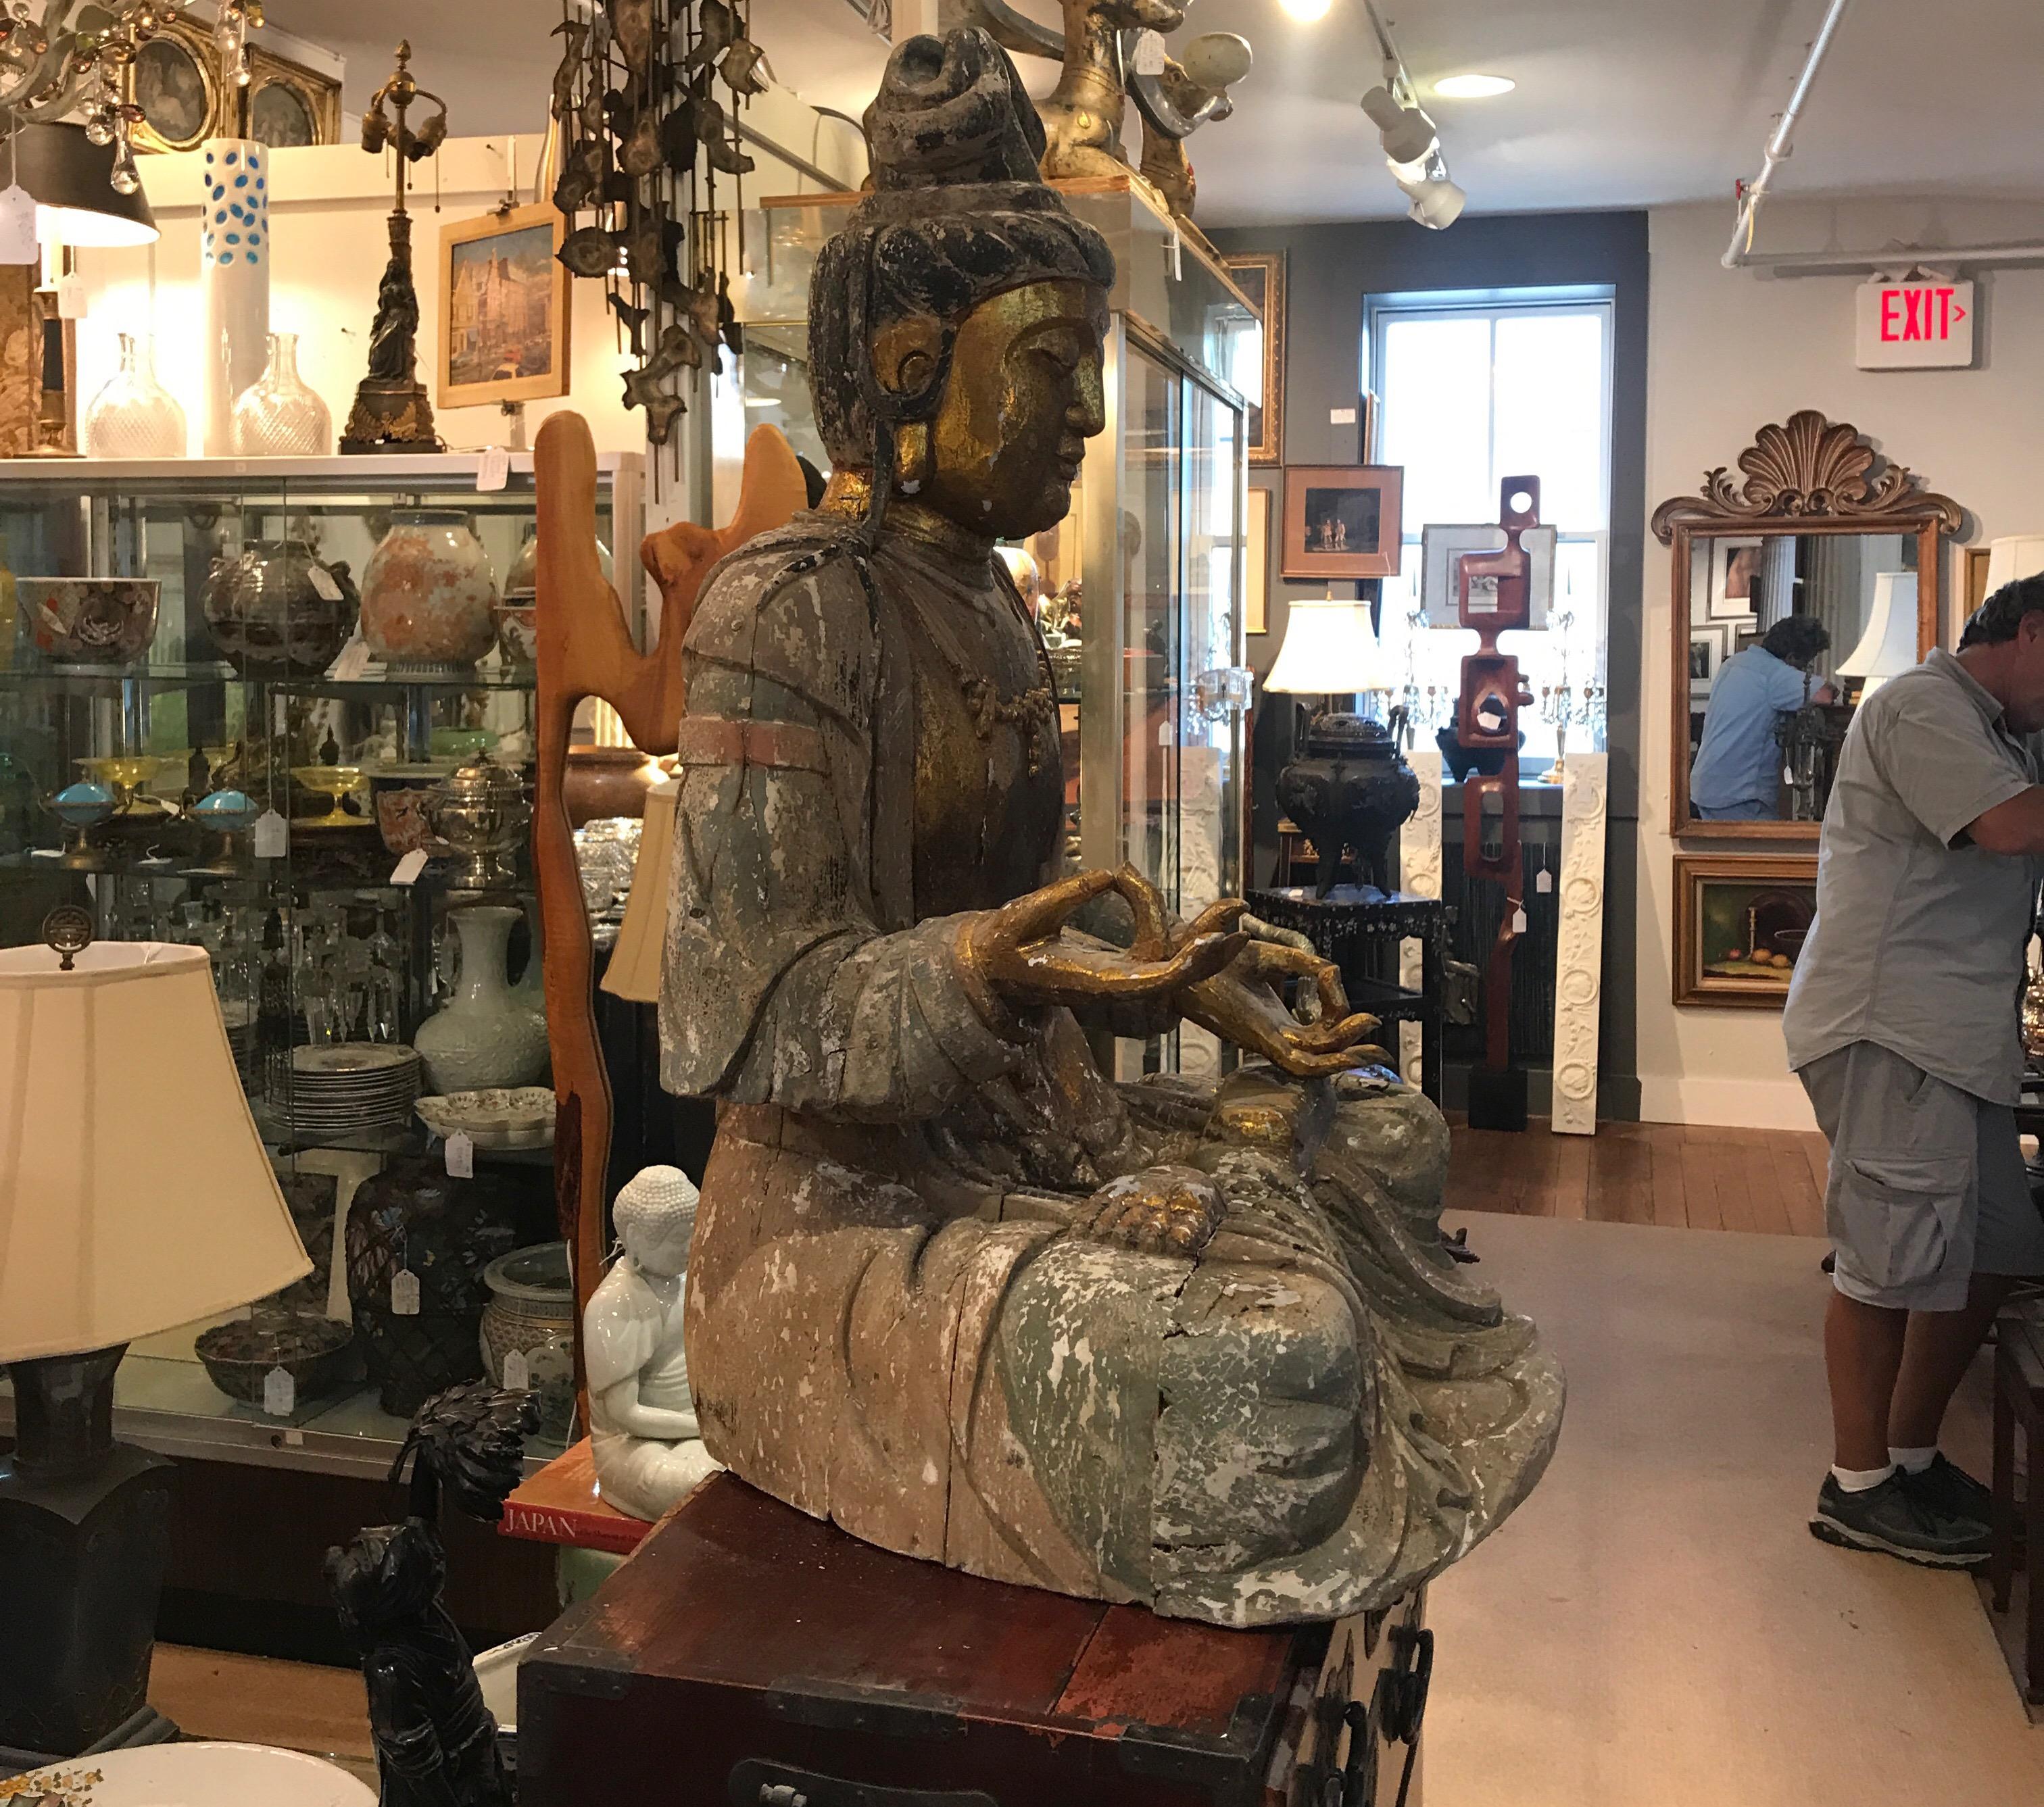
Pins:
x: 643, y: 1427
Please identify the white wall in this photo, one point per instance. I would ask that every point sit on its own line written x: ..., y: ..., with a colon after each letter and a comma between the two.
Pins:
x: 1727, y: 352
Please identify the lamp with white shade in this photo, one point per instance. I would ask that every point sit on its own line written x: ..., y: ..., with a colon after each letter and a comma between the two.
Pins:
x: 1888, y: 648
x: 1351, y: 790
x: 135, y: 1196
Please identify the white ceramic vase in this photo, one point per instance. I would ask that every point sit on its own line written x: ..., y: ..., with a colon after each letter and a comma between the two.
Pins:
x: 485, y: 1035
x: 234, y: 283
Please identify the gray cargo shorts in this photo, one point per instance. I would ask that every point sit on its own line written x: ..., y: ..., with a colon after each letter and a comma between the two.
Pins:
x: 1927, y: 1183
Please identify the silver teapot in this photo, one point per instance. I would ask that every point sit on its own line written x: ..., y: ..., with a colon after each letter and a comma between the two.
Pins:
x: 480, y: 811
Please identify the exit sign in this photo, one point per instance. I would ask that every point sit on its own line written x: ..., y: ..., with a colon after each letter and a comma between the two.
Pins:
x: 1914, y: 326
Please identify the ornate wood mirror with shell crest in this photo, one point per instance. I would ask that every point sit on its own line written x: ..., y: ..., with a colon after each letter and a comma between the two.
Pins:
x: 1796, y: 590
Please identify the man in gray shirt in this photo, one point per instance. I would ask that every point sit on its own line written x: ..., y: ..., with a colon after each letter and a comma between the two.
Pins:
x: 1903, y: 1023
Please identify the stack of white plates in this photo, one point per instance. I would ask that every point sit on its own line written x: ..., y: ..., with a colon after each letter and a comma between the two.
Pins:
x: 352, y: 1086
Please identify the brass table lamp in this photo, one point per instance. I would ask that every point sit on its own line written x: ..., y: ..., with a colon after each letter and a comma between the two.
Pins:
x: 134, y: 1195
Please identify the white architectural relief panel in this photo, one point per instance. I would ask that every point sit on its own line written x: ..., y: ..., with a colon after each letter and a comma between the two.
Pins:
x: 1418, y: 873
x: 1579, y: 951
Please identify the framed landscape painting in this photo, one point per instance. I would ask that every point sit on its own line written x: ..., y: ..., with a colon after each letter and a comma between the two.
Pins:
x: 504, y: 308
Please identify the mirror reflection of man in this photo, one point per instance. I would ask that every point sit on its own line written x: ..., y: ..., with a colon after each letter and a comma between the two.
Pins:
x: 1903, y: 1024
x: 1737, y: 777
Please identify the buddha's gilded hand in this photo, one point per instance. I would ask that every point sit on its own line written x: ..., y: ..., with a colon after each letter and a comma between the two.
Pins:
x: 1242, y: 1004
x: 1160, y: 1210
x: 1019, y: 952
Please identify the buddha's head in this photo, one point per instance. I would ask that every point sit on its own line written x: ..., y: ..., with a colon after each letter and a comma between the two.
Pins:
x: 956, y: 322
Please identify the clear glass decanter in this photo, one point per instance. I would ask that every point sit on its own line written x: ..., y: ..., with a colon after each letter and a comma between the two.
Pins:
x: 133, y: 415
x: 281, y: 417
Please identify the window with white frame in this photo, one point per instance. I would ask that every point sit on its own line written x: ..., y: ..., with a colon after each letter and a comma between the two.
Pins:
x: 1471, y: 394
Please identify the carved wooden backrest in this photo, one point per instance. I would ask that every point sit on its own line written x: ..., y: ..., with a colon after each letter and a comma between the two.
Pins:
x: 586, y: 650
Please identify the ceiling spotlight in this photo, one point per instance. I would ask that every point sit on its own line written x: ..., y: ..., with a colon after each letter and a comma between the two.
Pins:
x: 1307, y: 12
x: 1474, y: 87
x: 1407, y: 134
x: 1437, y: 202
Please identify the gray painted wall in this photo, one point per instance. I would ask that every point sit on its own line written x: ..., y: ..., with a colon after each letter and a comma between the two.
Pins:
x: 1331, y: 271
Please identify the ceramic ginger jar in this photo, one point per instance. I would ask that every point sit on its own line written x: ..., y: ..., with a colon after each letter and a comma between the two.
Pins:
x: 428, y: 597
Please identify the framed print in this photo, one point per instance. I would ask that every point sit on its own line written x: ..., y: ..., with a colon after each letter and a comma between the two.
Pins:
x: 1256, y: 563
x: 1442, y: 546
x: 175, y: 80
x: 1734, y: 564
x: 1741, y: 921
x: 1343, y: 520
x: 290, y: 104
x: 504, y: 308
x: 1260, y: 275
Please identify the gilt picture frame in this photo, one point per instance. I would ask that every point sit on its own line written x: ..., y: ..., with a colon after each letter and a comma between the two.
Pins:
x: 504, y: 308
x: 1740, y: 923
x: 1260, y: 275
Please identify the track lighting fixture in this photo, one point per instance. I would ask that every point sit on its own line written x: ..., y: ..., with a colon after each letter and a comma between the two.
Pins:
x: 1411, y: 144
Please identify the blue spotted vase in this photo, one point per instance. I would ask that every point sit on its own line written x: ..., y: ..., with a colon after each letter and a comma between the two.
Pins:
x: 234, y: 284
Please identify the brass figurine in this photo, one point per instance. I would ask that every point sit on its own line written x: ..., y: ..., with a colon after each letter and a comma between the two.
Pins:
x: 392, y: 411
x: 1203, y: 1348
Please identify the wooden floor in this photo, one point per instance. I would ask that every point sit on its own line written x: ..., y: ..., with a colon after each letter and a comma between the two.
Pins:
x: 1678, y: 1175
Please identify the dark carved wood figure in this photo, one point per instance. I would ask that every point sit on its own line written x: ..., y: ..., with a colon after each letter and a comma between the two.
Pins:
x: 436, y: 1741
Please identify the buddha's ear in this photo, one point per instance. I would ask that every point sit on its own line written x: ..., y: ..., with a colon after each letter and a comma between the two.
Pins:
x: 908, y: 353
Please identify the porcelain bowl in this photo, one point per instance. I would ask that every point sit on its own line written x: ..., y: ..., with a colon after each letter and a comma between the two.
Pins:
x: 492, y: 1118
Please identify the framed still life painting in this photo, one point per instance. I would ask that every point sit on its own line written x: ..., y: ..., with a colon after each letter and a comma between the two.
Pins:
x: 1740, y: 923
x: 1343, y: 520
x: 504, y: 308
x: 1260, y: 275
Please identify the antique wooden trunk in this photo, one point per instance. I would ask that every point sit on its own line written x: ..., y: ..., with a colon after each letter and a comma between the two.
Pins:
x: 750, y: 1656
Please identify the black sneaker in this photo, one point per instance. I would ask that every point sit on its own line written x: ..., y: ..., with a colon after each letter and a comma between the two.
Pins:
x: 1948, y: 1489
x: 1896, y: 1521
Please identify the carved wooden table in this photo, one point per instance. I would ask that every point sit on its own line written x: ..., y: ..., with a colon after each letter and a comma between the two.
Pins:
x: 1359, y: 928
x: 750, y: 1654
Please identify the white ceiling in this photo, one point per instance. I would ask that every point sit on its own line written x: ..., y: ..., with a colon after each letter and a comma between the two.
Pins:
x: 1619, y: 102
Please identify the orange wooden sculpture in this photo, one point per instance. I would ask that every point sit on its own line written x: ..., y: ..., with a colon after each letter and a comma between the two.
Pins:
x: 586, y: 650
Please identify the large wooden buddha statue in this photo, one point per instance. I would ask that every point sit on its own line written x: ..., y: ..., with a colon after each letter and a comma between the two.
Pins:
x: 1200, y: 1348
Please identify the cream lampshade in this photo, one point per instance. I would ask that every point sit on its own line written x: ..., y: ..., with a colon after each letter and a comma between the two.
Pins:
x: 634, y: 971
x: 1330, y: 649
x: 2017, y: 555
x: 134, y: 1194
x: 1888, y: 648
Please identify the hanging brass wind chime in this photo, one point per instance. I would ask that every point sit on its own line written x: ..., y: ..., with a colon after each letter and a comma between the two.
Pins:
x: 640, y: 101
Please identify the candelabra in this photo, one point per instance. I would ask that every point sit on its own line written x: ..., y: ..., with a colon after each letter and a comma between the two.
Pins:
x: 1426, y: 706
x: 1564, y: 705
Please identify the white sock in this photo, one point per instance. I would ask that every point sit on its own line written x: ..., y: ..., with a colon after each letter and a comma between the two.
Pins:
x: 1911, y: 1461
x: 1861, y: 1480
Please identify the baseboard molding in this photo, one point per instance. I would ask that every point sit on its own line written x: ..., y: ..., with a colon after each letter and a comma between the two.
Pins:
x: 1737, y: 1103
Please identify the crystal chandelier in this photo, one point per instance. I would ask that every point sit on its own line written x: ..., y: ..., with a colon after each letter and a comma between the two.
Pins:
x: 59, y: 56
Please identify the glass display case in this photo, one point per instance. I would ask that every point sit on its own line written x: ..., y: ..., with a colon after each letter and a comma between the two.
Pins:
x: 283, y: 709
x: 1138, y: 590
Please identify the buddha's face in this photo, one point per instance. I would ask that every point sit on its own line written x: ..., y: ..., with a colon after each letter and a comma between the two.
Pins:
x: 1024, y: 397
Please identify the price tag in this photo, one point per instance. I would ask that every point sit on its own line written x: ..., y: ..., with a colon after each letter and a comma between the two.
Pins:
x: 403, y: 1294
x: 460, y: 1156
x: 71, y: 297
x: 1150, y: 54
x: 517, y: 1375
x: 273, y: 835
x: 1788, y: 776
x: 407, y: 870
x: 494, y: 471
x: 321, y: 580
x: 17, y: 225
x: 1340, y: 417
x: 1519, y: 921
x: 1543, y: 881
x: 280, y: 1393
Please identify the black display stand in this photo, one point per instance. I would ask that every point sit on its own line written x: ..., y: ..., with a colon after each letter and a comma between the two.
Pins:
x: 1359, y: 927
